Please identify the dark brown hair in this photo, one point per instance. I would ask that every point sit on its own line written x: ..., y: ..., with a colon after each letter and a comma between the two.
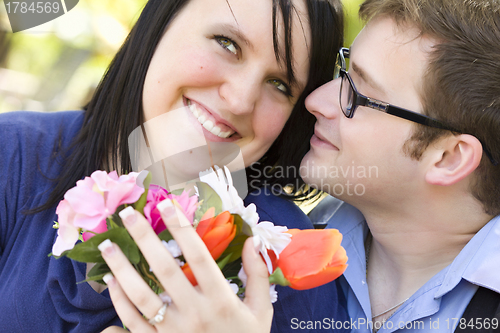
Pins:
x: 462, y: 82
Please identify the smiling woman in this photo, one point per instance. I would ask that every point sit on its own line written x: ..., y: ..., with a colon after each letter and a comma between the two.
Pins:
x: 243, y: 70
x: 223, y: 65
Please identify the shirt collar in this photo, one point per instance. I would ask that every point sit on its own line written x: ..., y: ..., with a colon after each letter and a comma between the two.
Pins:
x: 351, y: 223
x: 477, y: 261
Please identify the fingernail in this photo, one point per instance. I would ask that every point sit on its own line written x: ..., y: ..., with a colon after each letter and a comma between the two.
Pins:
x: 166, y: 207
x: 128, y: 215
x: 109, y: 279
x: 106, y: 247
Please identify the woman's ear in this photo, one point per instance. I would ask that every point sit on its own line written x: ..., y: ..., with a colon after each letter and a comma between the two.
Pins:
x: 453, y: 159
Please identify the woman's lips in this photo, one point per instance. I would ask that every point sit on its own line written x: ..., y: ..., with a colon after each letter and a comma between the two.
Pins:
x: 209, y: 121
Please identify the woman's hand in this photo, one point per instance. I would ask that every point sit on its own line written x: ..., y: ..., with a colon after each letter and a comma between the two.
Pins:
x: 210, y: 307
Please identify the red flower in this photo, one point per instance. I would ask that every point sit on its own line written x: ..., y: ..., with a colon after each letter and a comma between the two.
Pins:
x: 313, y: 258
x: 216, y: 232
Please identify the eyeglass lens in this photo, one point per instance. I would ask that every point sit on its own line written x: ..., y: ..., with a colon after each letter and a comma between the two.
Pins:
x: 346, y: 95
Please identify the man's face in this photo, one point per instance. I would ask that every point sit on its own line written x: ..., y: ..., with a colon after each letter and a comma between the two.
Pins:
x: 360, y: 160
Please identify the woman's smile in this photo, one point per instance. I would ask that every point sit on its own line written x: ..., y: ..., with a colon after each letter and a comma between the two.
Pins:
x: 212, y: 123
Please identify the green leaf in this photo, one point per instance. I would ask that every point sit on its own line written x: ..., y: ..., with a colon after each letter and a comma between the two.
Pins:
x: 177, y: 192
x: 97, y: 273
x: 208, y: 198
x: 244, y: 227
x: 143, y: 268
x: 139, y: 204
x: 147, y: 180
x: 115, y: 221
x: 232, y: 269
x: 88, y: 251
x: 99, y: 269
x: 222, y: 262
x: 235, y: 248
x: 278, y: 278
x: 111, y: 224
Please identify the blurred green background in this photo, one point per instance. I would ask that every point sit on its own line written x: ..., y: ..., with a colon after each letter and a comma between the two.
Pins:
x: 57, y: 65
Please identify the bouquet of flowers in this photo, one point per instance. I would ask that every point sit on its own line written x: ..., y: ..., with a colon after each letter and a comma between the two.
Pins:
x: 301, y: 259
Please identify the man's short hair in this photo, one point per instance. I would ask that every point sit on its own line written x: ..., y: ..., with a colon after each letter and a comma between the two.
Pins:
x: 462, y: 82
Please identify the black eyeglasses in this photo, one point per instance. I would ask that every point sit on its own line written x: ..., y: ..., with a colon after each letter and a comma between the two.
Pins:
x: 350, y: 99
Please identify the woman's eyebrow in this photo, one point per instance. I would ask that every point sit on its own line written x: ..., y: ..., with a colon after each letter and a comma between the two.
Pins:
x: 234, y: 30
x: 238, y: 33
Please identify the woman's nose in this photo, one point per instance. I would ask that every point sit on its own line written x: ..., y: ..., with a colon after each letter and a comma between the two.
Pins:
x: 241, y: 90
x: 325, y: 100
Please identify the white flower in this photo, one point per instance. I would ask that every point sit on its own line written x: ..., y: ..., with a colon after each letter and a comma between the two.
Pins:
x: 223, y: 186
x: 173, y: 248
x: 267, y: 236
x: 249, y: 215
x: 179, y: 262
x: 273, y: 293
x: 222, y: 183
x: 242, y: 275
x: 234, y: 287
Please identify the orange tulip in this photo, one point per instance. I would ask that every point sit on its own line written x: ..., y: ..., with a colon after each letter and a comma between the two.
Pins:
x: 216, y: 232
x: 313, y: 258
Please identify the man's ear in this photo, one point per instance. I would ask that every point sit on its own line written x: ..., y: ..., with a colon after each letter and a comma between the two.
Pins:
x: 453, y: 158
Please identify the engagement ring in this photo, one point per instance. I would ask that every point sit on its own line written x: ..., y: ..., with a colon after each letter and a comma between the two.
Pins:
x: 160, y: 315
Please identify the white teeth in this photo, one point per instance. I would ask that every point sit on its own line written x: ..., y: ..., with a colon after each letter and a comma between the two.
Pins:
x: 194, y: 110
x: 202, y: 118
x: 208, y: 124
x: 225, y: 134
x: 215, y: 131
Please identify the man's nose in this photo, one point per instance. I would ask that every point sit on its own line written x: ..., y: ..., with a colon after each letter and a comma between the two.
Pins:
x: 325, y: 100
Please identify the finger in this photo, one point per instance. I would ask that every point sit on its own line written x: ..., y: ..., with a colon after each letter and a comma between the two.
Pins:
x: 208, y: 275
x: 159, y: 259
x: 136, y: 289
x: 127, y: 312
x: 257, y: 290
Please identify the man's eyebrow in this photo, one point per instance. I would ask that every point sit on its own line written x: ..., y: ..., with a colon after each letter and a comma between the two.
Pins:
x: 363, y: 75
x: 237, y: 32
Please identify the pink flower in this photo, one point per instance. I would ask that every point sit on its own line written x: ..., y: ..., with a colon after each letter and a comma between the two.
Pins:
x: 90, y: 202
x: 156, y: 194
x: 67, y: 234
x: 187, y: 203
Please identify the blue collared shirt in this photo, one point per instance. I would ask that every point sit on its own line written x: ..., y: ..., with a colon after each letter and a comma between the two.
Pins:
x: 439, y: 304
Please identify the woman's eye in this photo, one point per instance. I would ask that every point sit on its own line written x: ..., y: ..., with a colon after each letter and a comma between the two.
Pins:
x: 280, y: 86
x: 227, y: 44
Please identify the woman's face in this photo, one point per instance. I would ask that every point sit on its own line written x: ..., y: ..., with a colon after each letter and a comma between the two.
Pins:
x: 217, y: 59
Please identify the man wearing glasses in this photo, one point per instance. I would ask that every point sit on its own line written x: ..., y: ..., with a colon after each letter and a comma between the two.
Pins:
x: 425, y: 254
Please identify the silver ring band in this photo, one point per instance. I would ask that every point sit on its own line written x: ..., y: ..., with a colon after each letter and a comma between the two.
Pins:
x: 160, y: 315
